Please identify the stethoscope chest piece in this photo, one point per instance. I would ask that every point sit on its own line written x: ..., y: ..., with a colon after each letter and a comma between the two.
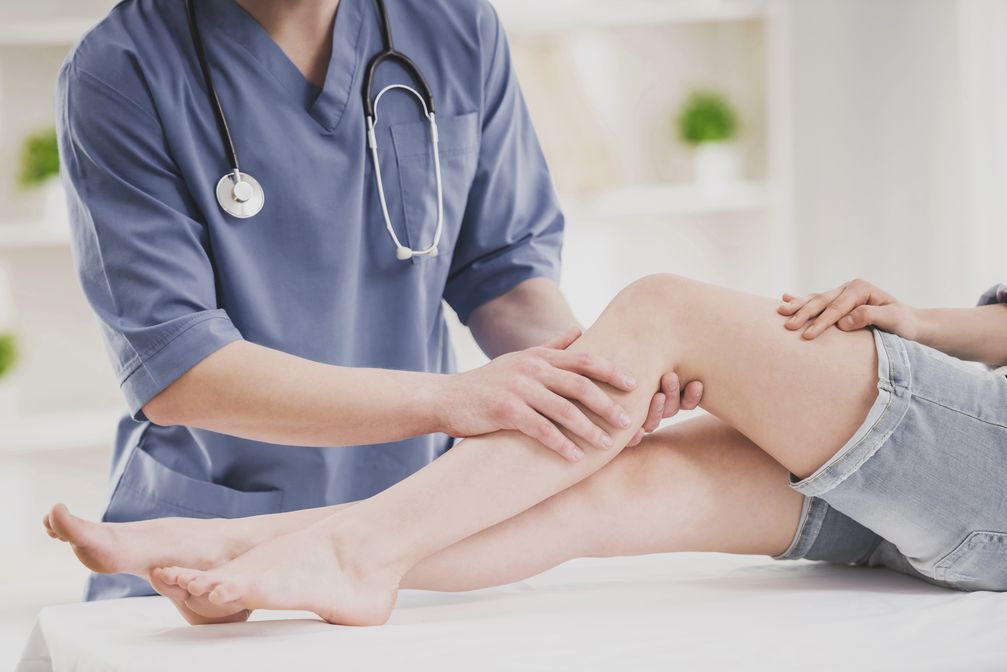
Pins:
x: 240, y: 195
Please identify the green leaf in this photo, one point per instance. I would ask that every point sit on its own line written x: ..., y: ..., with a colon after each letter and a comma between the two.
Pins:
x: 39, y: 158
x: 707, y: 116
x: 8, y: 353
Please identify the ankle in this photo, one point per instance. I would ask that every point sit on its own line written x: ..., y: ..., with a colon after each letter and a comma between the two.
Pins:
x: 361, y: 551
x: 234, y: 540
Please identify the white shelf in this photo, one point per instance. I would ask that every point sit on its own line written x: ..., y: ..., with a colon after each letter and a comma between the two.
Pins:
x: 57, y: 432
x: 51, y: 32
x: 16, y: 236
x: 668, y: 200
x: 546, y: 16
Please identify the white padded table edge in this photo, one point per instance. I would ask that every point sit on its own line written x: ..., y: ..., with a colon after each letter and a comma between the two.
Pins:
x: 664, y: 612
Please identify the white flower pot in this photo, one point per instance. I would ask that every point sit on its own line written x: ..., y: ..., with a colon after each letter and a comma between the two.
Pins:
x: 716, y: 163
x: 54, y: 208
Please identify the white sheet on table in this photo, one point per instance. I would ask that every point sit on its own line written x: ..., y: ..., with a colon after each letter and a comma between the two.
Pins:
x: 667, y: 612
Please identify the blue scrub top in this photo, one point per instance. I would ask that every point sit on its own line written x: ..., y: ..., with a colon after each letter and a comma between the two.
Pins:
x: 173, y: 278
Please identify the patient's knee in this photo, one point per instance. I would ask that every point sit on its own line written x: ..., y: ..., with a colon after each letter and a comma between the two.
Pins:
x: 656, y: 298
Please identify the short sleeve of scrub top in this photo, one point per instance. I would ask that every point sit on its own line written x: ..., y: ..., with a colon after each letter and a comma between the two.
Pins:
x: 141, y: 253
x: 513, y: 227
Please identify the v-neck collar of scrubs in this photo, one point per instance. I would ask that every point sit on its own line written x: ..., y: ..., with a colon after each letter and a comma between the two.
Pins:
x: 325, y: 105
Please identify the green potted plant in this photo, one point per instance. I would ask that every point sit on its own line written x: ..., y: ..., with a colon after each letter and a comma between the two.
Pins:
x: 8, y: 360
x: 708, y: 123
x: 40, y: 171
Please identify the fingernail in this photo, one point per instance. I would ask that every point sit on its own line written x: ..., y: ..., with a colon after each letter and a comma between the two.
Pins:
x: 577, y: 454
x: 848, y: 321
x: 624, y: 420
x: 630, y: 381
x: 606, y: 440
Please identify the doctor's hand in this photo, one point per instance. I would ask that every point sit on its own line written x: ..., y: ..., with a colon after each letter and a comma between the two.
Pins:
x: 668, y: 402
x: 532, y: 391
x: 854, y: 305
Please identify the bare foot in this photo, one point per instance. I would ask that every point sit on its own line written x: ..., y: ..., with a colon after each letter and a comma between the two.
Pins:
x: 197, y: 610
x: 301, y: 571
x: 136, y: 548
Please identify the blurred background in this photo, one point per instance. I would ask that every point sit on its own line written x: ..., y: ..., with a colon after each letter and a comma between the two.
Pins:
x: 768, y: 145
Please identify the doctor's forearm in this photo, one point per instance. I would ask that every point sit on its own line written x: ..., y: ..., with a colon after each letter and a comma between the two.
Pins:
x: 529, y: 315
x: 256, y: 393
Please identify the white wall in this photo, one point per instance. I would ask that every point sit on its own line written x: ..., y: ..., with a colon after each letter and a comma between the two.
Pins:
x: 897, y: 175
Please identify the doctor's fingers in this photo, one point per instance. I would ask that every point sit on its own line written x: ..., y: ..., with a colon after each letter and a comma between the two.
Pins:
x: 535, y: 426
x: 594, y: 367
x: 659, y: 404
x: 692, y: 395
x: 567, y: 414
x: 578, y: 388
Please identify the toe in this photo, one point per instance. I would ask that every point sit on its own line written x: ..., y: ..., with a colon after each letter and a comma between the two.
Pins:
x: 167, y: 575
x: 67, y: 526
x: 171, y: 590
x: 228, y: 592
x: 196, y: 611
x: 59, y: 520
x: 202, y: 584
x: 181, y: 576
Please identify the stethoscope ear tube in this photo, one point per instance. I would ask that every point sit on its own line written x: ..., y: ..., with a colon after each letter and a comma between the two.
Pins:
x: 370, y: 102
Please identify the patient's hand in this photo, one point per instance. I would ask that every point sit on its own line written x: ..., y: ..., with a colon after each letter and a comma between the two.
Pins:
x: 854, y: 305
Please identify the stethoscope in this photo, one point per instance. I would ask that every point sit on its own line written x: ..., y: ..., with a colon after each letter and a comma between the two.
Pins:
x: 240, y: 195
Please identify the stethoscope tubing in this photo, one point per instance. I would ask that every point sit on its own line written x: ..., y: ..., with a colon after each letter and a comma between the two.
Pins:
x: 245, y: 197
x: 218, y: 110
x: 403, y: 252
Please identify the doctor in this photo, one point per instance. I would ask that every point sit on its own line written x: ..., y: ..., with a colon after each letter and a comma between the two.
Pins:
x: 269, y: 274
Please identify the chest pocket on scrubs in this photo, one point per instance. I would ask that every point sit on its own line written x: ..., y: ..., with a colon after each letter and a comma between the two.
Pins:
x: 459, y: 150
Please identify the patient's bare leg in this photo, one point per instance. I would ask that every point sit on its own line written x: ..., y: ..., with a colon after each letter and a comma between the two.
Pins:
x: 697, y: 486
x: 799, y: 401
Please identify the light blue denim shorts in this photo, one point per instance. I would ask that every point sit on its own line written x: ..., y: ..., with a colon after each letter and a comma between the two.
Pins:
x: 921, y: 487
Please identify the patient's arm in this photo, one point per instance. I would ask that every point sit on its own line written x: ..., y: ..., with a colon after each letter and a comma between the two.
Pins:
x: 798, y: 401
x: 974, y: 334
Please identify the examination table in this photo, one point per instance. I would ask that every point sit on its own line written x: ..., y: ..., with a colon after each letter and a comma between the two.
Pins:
x: 664, y: 612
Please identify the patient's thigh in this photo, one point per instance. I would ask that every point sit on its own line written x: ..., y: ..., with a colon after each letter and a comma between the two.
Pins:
x: 698, y: 485
x: 798, y: 400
